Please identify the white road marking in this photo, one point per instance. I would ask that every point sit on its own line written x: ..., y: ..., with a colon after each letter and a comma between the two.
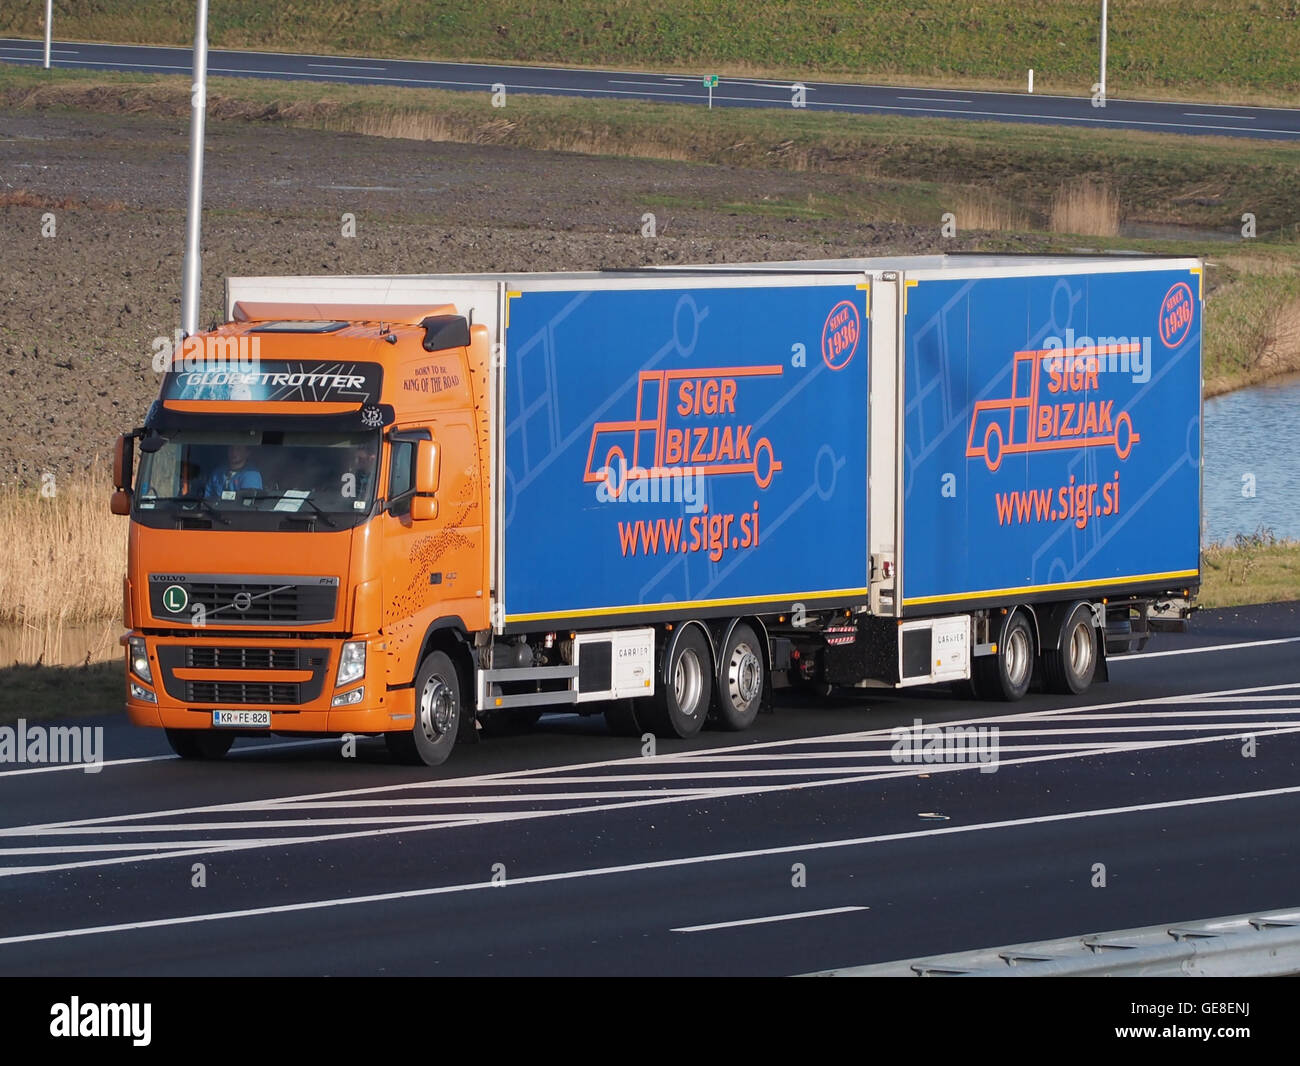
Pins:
x: 1198, y: 651
x: 1202, y: 114
x: 681, y: 769
x: 200, y: 847
x: 153, y: 758
x: 344, y: 66
x: 934, y: 99
x: 764, y: 921
x: 641, y: 867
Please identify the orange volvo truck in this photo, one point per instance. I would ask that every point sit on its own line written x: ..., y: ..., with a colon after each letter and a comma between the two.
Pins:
x: 411, y: 506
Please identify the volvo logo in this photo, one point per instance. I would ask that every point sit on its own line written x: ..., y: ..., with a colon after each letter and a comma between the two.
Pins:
x: 242, y: 601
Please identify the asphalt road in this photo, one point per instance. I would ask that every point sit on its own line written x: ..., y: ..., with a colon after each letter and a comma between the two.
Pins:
x: 802, y: 845
x: 1157, y: 116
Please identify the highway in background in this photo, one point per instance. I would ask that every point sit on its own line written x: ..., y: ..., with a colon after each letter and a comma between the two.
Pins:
x: 1169, y: 794
x: 1155, y: 116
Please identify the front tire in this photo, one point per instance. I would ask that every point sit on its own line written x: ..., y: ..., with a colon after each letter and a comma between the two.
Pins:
x: 203, y: 744
x: 437, y: 715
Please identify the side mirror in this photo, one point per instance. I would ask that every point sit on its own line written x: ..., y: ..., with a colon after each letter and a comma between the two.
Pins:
x: 123, y: 456
x: 423, y: 508
x: 120, y: 502
x: 428, y: 466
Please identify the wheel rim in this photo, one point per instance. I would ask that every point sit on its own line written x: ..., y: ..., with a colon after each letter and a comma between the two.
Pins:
x: 1081, y: 650
x: 437, y: 708
x: 744, y: 676
x: 688, y: 680
x: 1018, y: 657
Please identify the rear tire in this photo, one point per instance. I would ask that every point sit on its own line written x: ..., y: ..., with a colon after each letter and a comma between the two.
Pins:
x: 437, y: 715
x: 1006, y: 675
x: 1070, y: 667
x: 740, y: 681
x: 680, y: 706
x: 199, y: 743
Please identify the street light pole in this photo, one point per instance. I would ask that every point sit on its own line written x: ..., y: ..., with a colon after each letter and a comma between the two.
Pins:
x: 49, y: 17
x: 1103, y: 49
x: 198, y: 111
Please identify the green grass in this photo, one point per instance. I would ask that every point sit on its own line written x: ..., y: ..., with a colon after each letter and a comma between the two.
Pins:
x: 1255, y: 569
x: 36, y: 692
x: 1217, y: 49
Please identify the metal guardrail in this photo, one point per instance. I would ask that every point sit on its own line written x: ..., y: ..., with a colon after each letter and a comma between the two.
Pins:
x: 1245, y: 945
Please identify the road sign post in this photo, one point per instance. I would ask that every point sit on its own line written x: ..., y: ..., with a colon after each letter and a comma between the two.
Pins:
x: 710, y: 83
x: 49, y: 18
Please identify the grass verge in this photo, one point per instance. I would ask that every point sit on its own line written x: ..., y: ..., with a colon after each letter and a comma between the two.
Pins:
x: 1221, y: 50
x: 37, y: 692
x: 1255, y: 569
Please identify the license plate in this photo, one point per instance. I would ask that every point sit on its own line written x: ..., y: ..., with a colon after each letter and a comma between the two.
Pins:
x: 242, y: 719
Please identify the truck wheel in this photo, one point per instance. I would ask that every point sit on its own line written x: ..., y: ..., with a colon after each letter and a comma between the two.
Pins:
x: 1069, y: 667
x: 437, y: 715
x: 1006, y: 675
x: 199, y: 743
x: 740, y: 681
x: 680, y: 706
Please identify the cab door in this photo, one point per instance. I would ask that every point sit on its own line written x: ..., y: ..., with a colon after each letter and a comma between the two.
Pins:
x: 433, y: 567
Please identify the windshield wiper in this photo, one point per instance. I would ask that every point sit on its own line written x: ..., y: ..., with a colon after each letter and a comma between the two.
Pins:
x: 205, y: 504
x: 301, y: 499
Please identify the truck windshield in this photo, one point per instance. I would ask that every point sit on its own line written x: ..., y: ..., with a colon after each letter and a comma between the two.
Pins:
x: 225, y: 475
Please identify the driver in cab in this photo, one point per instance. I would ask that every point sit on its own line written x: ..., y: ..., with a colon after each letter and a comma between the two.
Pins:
x: 235, y: 475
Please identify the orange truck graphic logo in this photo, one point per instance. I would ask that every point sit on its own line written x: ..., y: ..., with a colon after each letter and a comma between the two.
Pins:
x: 1067, y: 416
x: 685, y: 420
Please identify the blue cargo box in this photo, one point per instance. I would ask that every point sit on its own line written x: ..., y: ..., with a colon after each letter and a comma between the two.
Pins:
x: 1052, y: 435
x: 682, y: 447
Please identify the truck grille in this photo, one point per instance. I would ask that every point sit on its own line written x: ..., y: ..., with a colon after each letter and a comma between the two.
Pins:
x: 226, y: 658
x: 231, y: 601
x: 233, y: 659
x: 263, y: 692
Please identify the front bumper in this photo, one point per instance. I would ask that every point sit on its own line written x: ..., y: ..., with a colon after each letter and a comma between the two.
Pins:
x: 293, y: 679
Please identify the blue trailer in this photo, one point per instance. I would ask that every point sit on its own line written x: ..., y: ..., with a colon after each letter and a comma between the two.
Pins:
x: 710, y: 481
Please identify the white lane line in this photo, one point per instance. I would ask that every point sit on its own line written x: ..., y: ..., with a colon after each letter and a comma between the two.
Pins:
x: 1186, y: 714
x: 764, y: 921
x: 910, y: 770
x: 624, y: 81
x: 934, y: 99
x: 641, y: 867
x: 1202, y: 114
x: 151, y: 758
x: 344, y: 66
x: 1198, y: 651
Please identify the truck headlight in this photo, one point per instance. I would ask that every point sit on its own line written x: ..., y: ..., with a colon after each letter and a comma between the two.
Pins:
x: 138, y: 656
x: 346, y: 699
x: 352, y: 663
x: 139, y: 692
